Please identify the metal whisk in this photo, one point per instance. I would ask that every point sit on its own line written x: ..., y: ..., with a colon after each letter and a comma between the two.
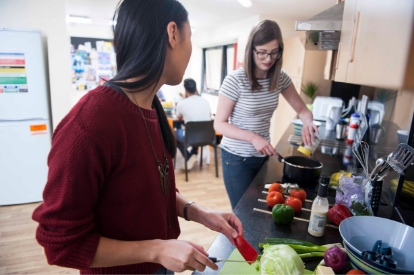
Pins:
x: 361, y: 152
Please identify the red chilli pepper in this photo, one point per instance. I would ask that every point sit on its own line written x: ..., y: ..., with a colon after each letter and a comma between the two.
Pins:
x: 338, y: 213
x: 246, y: 250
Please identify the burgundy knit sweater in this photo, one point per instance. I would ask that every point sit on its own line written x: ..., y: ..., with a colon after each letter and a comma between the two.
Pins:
x: 103, y: 181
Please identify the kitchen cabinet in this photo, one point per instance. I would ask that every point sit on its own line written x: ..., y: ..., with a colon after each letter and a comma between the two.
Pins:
x: 293, y: 56
x: 377, y: 44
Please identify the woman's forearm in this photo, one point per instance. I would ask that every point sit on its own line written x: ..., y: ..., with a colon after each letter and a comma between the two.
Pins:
x: 233, y: 132
x: 112, y: 252
x: 194, y: 212
x: 306, y: 115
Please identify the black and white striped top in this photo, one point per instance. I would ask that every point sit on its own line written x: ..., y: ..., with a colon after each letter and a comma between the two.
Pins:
x: 252, y: 111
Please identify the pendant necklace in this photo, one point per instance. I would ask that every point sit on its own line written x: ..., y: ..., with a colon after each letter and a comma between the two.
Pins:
x: 163, y: 170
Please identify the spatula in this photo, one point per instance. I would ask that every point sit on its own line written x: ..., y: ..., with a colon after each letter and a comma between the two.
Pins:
x: 401, y: 158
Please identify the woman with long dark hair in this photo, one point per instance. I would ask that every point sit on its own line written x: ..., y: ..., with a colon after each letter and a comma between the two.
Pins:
x: 248, y: 98
x: 110, y: 202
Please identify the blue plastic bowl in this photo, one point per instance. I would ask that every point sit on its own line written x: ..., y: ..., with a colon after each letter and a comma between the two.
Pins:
x: 360, y: 234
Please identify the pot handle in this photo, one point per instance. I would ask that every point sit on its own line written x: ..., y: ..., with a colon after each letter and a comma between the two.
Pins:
x: 280, y: 157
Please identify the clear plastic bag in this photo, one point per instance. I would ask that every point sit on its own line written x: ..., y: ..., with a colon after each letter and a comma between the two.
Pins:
x: 355, y: 193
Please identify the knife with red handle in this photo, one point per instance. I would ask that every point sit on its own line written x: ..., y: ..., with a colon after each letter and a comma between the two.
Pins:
x: 246, y: 250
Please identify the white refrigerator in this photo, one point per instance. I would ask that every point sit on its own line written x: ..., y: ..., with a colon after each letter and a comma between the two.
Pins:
x: 25, y: 124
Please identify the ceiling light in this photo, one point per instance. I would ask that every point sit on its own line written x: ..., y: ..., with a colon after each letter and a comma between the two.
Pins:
x: 79, y: 19
x: 245, y: 3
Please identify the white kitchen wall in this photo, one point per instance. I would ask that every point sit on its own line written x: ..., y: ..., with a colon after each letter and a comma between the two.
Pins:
x: 236, y: 32
x: 90, y: 31
x: 50, y: 17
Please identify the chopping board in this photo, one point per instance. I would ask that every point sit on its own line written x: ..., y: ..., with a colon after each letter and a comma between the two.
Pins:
x: 242, y: 268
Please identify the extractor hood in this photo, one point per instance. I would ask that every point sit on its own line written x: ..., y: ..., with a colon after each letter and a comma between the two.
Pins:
x: 329, y: 20
x: 323, y: 31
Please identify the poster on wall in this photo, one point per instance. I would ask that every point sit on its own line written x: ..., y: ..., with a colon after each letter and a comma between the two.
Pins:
x: 13, y: 77
x: 93, y: 62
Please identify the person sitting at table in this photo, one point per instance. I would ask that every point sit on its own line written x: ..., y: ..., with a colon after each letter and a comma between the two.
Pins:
x: 192, y: 108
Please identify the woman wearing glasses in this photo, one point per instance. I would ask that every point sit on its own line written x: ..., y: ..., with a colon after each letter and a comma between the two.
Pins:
x: 248, y: 98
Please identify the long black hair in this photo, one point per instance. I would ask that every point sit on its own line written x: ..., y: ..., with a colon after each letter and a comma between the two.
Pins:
x: 140, y: 42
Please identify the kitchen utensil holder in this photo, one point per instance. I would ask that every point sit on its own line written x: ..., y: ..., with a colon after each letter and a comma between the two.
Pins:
x: 376, y: 195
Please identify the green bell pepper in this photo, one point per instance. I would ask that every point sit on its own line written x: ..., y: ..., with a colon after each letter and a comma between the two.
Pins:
x: 283, y: 213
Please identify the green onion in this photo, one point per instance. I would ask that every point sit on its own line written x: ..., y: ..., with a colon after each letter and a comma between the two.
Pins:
x: 311, y: 255
x: 288, y: 241
x: 302, y: 248
x: 315, y: 248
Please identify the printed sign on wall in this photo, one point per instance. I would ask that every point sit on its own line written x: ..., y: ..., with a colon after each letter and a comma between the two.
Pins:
x: 13, y: 77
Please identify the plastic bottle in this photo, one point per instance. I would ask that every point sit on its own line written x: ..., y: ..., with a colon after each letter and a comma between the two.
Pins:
x: 319, y: 211
x: 309, y: 150
x: 353, y: 127
x: 355, y: 119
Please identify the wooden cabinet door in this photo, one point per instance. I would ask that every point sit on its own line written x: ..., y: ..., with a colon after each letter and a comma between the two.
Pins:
x: 380, y: 43
x: 293, y: 56
x: 344, y: 49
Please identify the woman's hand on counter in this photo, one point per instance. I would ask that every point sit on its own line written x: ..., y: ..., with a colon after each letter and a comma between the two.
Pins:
x: 263, y: 146
x: 308, y: 132
x: 178, y: 256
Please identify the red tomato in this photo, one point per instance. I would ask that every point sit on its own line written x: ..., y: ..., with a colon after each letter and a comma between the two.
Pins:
x: 300, y: 194
x: 355, y: 272
x: 274, y: 198
x: 295, y: 203
x: 276, y: 187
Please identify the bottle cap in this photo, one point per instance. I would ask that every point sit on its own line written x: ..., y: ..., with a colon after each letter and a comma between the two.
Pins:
x: 323, y: 186
x: 355, y: 115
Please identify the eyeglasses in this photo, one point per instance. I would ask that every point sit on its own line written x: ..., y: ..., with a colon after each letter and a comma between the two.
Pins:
x: 263, y: 55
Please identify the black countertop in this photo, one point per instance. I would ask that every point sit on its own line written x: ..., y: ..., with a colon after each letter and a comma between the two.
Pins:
x: 259, y: 225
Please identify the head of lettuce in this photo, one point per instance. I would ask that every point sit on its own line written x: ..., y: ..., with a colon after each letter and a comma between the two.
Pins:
x: 280, y: 259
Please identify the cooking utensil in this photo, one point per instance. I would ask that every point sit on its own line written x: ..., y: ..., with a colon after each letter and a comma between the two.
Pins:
x: 375, y: 171
x: 216, y: 260
x: 361, y: 152
x: 383, y: 171
x: 401, y: 158
x: 302, y: 170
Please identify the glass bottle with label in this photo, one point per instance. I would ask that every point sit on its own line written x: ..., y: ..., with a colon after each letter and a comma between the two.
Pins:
x: 319, y: 211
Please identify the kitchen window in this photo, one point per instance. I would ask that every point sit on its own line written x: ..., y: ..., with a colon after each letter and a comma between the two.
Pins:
x: 217, y: 63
